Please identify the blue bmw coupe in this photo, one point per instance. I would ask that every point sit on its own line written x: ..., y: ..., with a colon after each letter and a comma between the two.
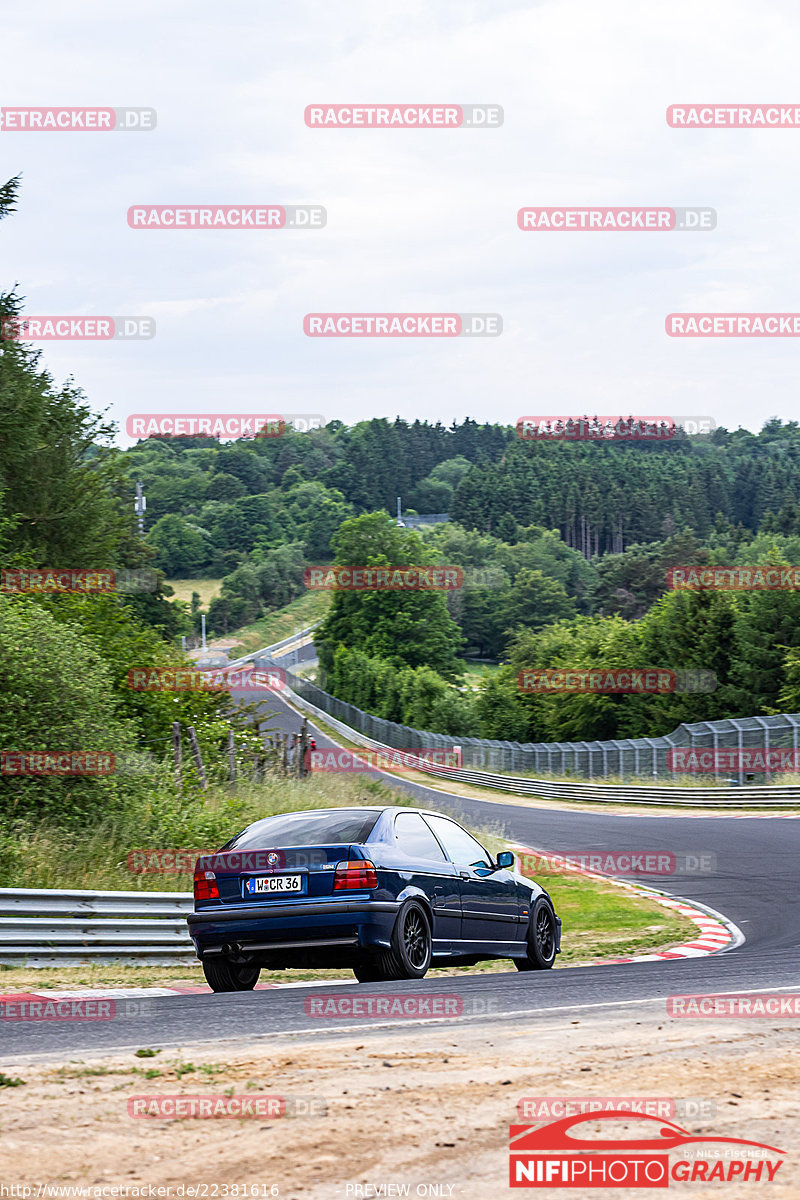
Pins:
x: 388, y: 892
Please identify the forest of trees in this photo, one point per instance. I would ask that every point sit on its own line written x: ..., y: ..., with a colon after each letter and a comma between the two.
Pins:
x: 750, y: 641
x: 257, y: 511
x: 209, y: 504
x: 602, y: 497
x: 565, y: 548
x: 537, y: 603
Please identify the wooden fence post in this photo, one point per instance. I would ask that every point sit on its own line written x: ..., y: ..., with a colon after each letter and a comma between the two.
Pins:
x: 177, y: 755
x: 304, y: 749
x: 231, y: 757
x: 198, y: 758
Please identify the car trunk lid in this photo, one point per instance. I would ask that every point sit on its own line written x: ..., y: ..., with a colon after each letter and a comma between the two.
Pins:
x: 275, y: 875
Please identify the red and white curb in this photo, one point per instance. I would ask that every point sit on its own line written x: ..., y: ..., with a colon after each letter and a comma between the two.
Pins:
x: 715, y: 931
x: 149, y: 993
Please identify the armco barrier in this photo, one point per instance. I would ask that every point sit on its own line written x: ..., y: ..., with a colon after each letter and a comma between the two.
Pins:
x: 43, y: 927
x: 266, y: 651
x: 637, y: 758
x: 773, y: 797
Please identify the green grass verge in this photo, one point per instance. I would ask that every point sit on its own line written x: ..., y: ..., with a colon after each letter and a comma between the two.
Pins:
x: 206, y: 588
x: 47, y: 856
x: 600, y: 920
x: 276, y: 626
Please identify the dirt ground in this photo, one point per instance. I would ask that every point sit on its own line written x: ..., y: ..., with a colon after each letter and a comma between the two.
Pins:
x: 406, y: 1107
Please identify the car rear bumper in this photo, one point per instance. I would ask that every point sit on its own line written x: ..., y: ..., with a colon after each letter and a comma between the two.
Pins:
x: 294, y: 932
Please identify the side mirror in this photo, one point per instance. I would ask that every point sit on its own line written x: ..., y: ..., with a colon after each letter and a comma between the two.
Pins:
x: 505, y: 859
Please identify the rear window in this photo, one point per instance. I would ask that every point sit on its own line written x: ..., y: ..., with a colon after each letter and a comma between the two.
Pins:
x: 306, y: 829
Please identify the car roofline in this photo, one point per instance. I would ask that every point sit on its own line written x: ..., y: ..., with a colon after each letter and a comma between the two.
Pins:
x: 429, y: 812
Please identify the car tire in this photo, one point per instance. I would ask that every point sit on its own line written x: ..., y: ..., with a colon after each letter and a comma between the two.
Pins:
x: 412, y: 945
x: 224, y: 976
x: 367, y: 973
x: 541, y: 939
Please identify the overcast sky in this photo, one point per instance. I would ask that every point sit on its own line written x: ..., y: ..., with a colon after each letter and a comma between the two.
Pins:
x: 418, y: 220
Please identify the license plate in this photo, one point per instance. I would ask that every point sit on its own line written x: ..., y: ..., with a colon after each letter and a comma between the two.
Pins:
x: 275, y: 883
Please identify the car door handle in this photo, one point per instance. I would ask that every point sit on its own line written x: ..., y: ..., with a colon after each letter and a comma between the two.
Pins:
x: 464, y: 874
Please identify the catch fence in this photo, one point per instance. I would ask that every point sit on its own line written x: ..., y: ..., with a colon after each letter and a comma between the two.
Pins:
x: 623, y: 758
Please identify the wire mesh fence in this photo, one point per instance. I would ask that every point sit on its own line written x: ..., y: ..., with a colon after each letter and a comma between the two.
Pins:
x: 734, y: 751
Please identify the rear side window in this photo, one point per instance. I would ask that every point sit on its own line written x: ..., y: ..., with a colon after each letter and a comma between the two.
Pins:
x: 306, y: 829
x: 415, y: 838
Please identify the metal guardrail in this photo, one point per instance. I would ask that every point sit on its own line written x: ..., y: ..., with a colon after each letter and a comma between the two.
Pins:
x: 413, y: 522
x: 606, y: 793
x: 644, y: 757
x: 772, y: 797
x: 265, y: 652
x: 44, y: 927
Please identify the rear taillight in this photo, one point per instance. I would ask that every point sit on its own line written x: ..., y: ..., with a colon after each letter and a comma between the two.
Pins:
x: 358, y: 873
x: 205, y: 886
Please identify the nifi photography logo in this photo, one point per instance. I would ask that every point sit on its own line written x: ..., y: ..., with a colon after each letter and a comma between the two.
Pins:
x: 557, y: 1155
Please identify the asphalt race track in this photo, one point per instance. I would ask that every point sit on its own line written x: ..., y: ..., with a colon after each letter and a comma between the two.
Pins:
x: 756, y: 885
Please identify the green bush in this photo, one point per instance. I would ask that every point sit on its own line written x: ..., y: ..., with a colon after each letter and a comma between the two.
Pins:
x: 57, y: 696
